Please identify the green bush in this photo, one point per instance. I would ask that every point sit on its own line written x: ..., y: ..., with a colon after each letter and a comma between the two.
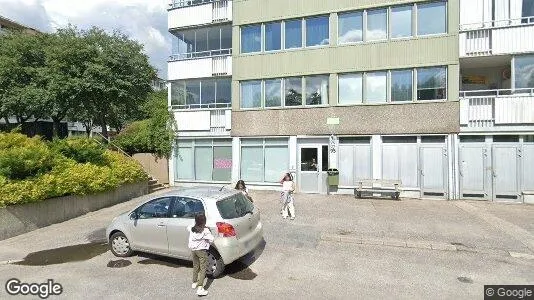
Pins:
x: 82, y: 150
x: 61, y: 174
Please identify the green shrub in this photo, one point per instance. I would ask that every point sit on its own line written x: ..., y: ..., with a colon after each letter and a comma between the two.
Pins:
x: 82, y: 150
x: 125, y: 169
x: 22, y: 157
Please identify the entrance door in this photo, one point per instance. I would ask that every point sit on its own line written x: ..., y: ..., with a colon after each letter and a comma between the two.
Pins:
x: 309, y: 166
x: 473, y: 166
x: 505, y: 172
x: 433, y: 170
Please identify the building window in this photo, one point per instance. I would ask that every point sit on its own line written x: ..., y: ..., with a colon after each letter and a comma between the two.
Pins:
x: 293, y: 91
x: 251, y: 94
x: 350, y: 88
x: 273, y: 36
x: 527, y: 11
x: 317, y: 31
x: 350, y: 27
x: 376, y: 87
x: 273, y: 93
x: 377, y: 25
x: 205, y: 93
x: 401, y: 21
x: 203, y: 42
x: 524, y: 71
x: 431, y: 83
x: 264, y: 160
x: 251, y: 39
x: 293, y: 34
x: 401, y: 85
x: 316, y: 89
x: 432, y: 18
x: 203, y: 160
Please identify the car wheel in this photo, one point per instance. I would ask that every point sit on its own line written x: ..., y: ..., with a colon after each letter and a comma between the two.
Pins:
x: 215, y: 264
x: 119, y: 245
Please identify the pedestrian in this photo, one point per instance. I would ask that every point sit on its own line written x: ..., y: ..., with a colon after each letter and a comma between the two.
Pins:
x: 286, y: 197
x: 200, y: 239
x: 240, y: 185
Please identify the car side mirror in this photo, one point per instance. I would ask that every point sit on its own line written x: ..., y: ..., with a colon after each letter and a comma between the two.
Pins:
x: 134, y: 215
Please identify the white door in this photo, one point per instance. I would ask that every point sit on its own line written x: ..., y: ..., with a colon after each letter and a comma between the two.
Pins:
x: 149, y: 229
x: 309, y: 169
x: 182, y: 215
x: 433, y: 171
x: 473, y: 170
x: 505, y: 172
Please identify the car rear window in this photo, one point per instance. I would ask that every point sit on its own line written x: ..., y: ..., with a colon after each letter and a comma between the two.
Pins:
x: 235, y: 206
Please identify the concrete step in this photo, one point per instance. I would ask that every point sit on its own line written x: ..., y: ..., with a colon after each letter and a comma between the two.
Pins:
x: 152, y: 181
x: 152, y: 190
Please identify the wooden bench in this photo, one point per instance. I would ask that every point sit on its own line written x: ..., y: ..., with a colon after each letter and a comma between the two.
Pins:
x: 377, y: 186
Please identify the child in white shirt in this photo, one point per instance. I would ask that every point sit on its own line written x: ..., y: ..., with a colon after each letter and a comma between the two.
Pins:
x: 287, y: 199
x: 200, y: 239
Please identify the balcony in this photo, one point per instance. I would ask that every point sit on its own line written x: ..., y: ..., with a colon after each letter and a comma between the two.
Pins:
x: 208, y: 119
x: 497, y: 37
x: 184, y: 14
x: 181, y: 67
x: 497, y: 110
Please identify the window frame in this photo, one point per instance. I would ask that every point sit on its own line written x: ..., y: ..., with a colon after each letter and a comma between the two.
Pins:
x: 260, y: 25
x: 417, y: 4
x: 241, y: 94
x: 179, y: 198
x: 364, y: 18
x: 276, y: 142
x: 193, y: 144
x: 137, y: 211
x: 305, y: 31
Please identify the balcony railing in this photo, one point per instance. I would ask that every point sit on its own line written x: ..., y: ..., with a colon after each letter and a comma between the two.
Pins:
x: 186, y: 3
x: 212, y: 121
x: 201, y: 106
x: 493, y: 108
x: 201, y: 54
x: 497, y: 23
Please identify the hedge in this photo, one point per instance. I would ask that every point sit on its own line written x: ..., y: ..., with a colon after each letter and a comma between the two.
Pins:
x: 32, y: 170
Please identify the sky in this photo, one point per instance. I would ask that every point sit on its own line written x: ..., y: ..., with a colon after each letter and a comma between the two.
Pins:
x: 142, y: 20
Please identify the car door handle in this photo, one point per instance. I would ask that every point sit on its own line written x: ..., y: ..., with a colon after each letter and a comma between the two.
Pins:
x: 161, y: 224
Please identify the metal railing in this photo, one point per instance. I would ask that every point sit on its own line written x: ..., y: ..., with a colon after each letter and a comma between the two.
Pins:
x: 497, y: 92
x: 201, y: 54
x: 113, y: 145
x: 186, y: 3
x: 201, y: 106
x: 497, y: 24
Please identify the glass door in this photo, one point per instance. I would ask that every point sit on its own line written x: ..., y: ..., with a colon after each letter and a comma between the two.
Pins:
x: 309, y: 166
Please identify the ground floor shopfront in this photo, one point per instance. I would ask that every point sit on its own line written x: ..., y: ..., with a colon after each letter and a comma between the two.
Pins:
x: 450, y: 166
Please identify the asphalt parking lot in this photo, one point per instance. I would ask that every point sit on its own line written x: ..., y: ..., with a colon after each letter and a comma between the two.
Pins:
x: 337, y: 248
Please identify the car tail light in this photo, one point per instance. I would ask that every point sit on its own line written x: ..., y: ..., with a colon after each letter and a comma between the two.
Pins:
x: 225, y: 229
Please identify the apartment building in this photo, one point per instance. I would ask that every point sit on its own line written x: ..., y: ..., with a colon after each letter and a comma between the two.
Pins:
x: 406, y: 90
x: 8, y: 24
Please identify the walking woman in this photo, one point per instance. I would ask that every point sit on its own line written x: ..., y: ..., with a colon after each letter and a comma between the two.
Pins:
x: 287, y: 199
x: 200, y: 239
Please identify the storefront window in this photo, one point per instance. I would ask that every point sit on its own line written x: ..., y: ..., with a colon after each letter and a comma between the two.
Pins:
x: 204, y: 160
x: 264, y: 160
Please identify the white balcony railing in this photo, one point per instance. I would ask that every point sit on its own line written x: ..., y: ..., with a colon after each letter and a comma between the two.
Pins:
x: 214, y: 121
x: 192, y: 13
x: 497, y: 37
x: 493, y: 108
x: 200, y: 68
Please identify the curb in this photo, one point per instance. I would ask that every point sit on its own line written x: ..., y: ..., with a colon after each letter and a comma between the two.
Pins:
x: 439, y: 246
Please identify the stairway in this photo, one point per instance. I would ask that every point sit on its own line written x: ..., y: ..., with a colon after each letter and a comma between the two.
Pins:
x: 154, y: 185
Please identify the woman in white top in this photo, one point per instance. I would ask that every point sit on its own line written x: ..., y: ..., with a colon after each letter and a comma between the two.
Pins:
x: 200, y: 239
x: 240, y: 185
x: 287, y: 199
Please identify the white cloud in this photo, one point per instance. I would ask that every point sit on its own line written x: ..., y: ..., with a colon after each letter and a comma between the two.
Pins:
x: 142, y: 20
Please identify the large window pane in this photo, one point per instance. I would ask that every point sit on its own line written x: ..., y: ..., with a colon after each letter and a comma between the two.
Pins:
x: 192, y: 88
x: 350, y: 27
x: 224, y: 91
x: 293, y: 34
x: 316, y: 90
x: 214, y: 38
x: 527, y: 11
x: 377, y: 25
x: 350, y: 88
x: 431, y: 18
x: 273, y: 36
x: 293, y: 91
x: 317, y: 32
x: 252, y: 164
x: 222, y: 163
x: 201, y: 39
x: 401, y: 21
x: 251, y: 94
x: 401, y: 85
x: 208, y: 91
x: 524, y: 71
x: 251, y: 39
x: 226, y: 37
x: 184, y: 163
x: 376, y: 87
x: 178, y: 93
x: 276, y: 162
x: 431, y: 83
x: 273, y: 93
x: 203, y: 163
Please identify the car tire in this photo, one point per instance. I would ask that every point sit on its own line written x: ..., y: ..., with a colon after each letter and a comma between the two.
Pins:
x: 119, y: 245
x: 215, y: 264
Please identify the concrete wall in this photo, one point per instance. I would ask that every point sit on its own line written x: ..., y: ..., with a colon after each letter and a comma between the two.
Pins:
x: 19, y: 219
x: 156, y: 167
x: 363, y: 119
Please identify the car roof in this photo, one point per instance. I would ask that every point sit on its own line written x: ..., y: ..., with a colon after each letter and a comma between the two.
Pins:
x: 204, y: 192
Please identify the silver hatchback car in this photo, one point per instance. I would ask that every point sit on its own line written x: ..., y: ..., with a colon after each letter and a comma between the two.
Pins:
x: 159, y: 226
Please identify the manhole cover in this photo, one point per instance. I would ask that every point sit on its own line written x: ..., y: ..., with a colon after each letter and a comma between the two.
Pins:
x: 465, y: 279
